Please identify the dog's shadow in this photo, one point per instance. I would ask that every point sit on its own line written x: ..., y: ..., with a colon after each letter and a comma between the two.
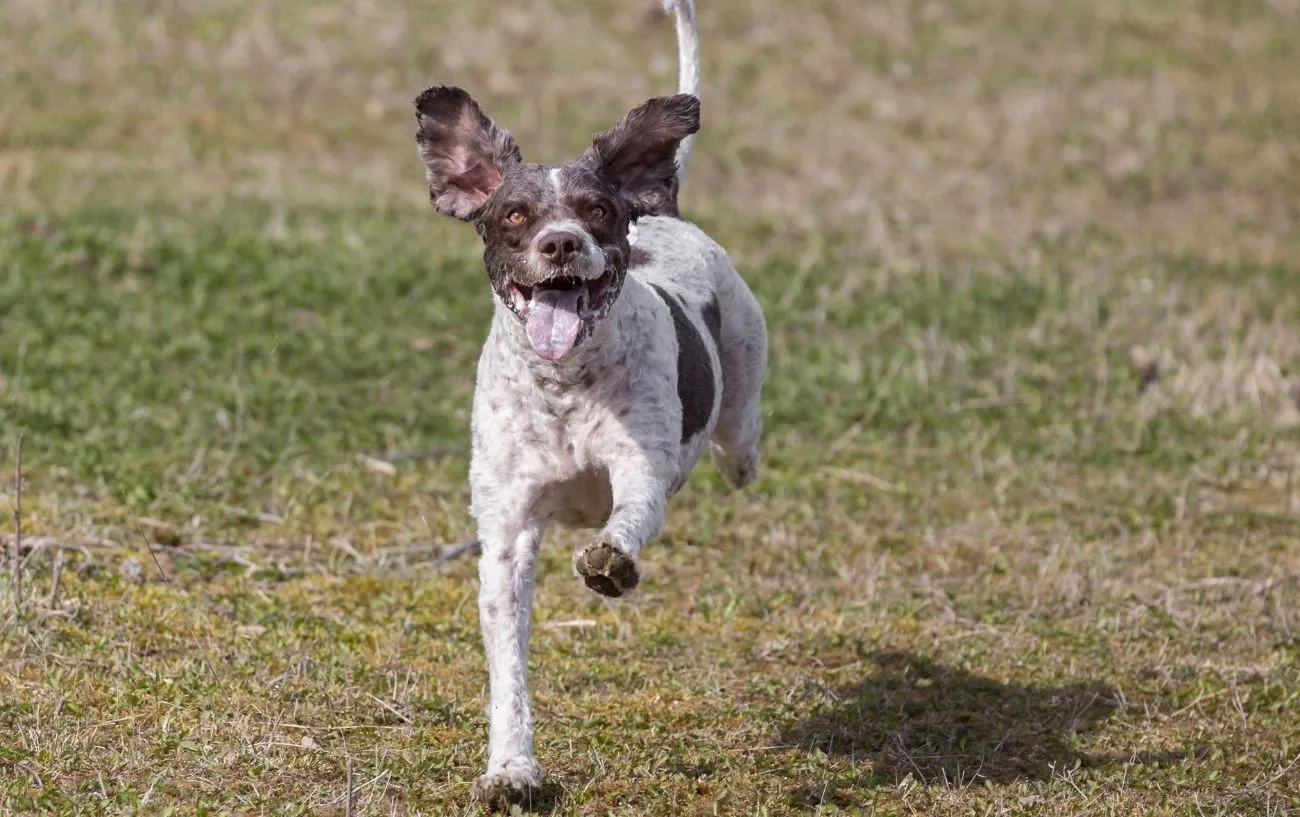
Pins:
x: 549, y: 801
x: 948, y: 727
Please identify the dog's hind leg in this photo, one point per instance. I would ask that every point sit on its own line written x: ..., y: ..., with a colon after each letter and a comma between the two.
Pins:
x: 506, y: 571
x: 744, y: 359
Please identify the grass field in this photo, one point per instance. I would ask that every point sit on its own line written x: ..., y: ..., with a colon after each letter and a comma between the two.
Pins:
x: 1027, y: 540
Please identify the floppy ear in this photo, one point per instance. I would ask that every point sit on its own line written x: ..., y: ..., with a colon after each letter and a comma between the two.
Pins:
x: 639, y: 154
x: 465, y: 154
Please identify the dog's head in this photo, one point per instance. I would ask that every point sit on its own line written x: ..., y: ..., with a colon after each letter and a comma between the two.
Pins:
x: 555, y: 238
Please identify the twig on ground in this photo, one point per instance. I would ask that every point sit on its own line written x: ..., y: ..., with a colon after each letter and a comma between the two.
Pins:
x: 389, y: 707
x: 35, y: 544
x: 148, y: 547
x: 342, y: 728
x: 378, y: 466
x: 358, y: 789
x: 1265, y: 784
x: 863, y: 478
x: 466, y: 548
x: 577, y: 623
x: 347, y: 808
x: 344, y: 545
x: 54, y: 584
x: 16, y: 558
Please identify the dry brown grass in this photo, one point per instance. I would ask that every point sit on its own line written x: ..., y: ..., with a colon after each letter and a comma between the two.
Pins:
x: 923, y: 131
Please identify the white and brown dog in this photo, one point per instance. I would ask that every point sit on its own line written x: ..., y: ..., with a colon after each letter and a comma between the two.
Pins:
x: 622, y: 340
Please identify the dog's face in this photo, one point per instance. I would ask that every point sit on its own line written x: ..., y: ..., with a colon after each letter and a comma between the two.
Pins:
x: 555, y: 238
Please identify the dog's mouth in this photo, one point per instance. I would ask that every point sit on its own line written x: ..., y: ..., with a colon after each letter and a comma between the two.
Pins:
x: 562, y: 312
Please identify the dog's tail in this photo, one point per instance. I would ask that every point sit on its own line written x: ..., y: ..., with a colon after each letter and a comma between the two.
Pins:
x: 688, y: 67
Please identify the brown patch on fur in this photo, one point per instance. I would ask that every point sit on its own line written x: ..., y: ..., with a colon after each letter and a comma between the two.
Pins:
x: 694, y: 369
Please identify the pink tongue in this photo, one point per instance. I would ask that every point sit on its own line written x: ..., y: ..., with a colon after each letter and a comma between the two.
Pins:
x: 553, y: 323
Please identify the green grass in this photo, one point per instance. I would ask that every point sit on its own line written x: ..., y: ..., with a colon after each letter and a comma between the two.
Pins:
x: 1026, y: 540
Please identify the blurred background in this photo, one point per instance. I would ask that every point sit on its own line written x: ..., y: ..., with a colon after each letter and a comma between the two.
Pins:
x: 1030, y: 270
x: 926, y: 133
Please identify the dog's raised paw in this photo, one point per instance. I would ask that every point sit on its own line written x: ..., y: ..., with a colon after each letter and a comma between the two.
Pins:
x: 498, y: 791
x: 607, y: 569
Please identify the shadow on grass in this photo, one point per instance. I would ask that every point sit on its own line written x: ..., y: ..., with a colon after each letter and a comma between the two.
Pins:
x: 948, y: 727
x: 551, y: 800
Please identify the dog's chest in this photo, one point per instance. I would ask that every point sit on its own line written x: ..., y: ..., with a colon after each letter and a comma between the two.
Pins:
x: 557, y: 439
x: 546, y: 431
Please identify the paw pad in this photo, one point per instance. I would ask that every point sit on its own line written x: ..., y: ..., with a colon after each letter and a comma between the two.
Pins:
x: 606, y: 569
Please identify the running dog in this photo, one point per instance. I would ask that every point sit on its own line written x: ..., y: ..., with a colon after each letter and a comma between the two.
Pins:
x: 622, y: 341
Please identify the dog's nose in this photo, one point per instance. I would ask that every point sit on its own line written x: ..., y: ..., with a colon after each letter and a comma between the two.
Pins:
x: 558, y: 247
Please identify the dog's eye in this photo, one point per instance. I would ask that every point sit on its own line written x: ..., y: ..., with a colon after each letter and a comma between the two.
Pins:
x: 515, y: 217
x: 596, y: 212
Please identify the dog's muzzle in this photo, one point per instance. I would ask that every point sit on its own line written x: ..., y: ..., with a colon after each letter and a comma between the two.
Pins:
x: 562, y: 311
x: 565, y: 288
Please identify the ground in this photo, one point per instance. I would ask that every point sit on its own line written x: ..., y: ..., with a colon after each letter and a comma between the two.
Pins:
x: 1026, y: 537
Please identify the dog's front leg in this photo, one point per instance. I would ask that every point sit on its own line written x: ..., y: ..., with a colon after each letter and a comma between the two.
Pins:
x: 639, y: 486
x: 506, y: 572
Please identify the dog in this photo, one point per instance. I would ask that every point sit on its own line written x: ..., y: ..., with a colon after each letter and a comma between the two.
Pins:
x: 622, y: 341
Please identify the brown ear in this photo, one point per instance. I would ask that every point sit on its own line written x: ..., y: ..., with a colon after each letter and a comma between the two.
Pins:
x: 639, y: 154
x: 465, y: 153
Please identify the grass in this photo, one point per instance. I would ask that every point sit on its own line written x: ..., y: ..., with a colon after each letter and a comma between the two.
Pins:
x: 1026, y: 541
